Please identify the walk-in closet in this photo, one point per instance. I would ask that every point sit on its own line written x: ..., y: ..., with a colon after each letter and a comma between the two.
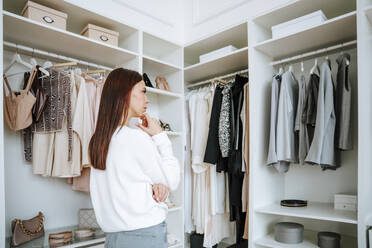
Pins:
x: 254, y: 128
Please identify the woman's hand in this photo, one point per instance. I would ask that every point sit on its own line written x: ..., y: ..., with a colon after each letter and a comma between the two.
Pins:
x: 149, y: 125
x: 160, y: 192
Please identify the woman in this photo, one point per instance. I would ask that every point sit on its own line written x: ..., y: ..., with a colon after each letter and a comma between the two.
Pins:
x: 133, y: 169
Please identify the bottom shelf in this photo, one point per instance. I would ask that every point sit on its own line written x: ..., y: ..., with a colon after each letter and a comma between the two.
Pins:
x: 310, y: 241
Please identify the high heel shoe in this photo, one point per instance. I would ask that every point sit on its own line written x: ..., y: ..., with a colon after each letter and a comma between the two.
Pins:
x: 147, y: 80
x: 161, y: 83
x: 165, y: 126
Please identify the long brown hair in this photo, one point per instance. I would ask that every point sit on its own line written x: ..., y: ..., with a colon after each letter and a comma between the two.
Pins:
x: 113, y: 111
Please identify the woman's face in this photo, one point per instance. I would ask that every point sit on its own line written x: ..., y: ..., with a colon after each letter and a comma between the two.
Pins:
x: 138, y: 100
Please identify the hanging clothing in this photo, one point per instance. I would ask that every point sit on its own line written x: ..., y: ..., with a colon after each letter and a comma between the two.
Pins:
x: 272, y: 155
x: 322, y: 148
x: 57, y: 110
x: 287, y: 140
x: 300, y: 125
x: 18, y: 105
x: 343, y: 133
x: 310, y: 108
x: 94, y: 91
x: 198, y: 117
x: 224, y: 126
x: 81, y: 123
x: 236, y: 176
x: 51, y: 150
x: 245, y: 147
x: 212, y: 151
x: 189, y: 226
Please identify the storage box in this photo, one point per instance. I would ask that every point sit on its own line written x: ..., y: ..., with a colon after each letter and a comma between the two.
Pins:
x: 345, y: 202
x: 329, y: 240
x: 101, y: 34
x: 216, y: 53
x: 298, y: 24
x: 289, y: 232
x: 45, y: 15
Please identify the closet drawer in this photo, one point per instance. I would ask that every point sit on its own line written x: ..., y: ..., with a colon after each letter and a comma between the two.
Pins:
x: 45, y: 15
x: 101, y: 34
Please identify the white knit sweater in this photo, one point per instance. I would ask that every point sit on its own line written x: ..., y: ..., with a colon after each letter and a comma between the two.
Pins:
x: 122, y: 194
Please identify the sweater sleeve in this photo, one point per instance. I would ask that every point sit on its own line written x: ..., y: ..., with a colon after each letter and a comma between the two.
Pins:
x: 158, y: 161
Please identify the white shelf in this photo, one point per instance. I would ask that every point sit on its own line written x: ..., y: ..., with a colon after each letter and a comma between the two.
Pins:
x: 236, y: 36
x: 334, y: 31
x: 314, y: 210
x: 27, y: 32
x: 234, y: 61
x: 368, y: 12
x: 162, y: 50
x: 310, y: 241
x: 161, y: 66
x: 163, y: 92
x: 78, y: 18
x: 298, y: 8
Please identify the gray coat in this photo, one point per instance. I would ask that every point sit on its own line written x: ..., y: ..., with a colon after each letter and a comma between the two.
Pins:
x: 343, y: 136
x: 322, y: 148
x: 272, y: 158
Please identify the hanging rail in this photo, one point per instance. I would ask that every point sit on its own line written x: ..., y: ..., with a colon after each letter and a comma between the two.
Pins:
x: 313, y: 53
x: 213, y: 79
x: 53, y: 55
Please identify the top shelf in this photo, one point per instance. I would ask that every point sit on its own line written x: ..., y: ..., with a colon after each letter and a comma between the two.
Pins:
x: 78, y: 18
x: 161, y: 50
x: 24, y: 31
x: 236, y: 36
x: 298, y: 8
x: 331, y: 32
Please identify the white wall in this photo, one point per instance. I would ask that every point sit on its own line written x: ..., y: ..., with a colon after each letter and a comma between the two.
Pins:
x: 162, y: 18
x: 205, y: 17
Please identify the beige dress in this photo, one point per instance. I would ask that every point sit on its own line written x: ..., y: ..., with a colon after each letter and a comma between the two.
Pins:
x: 50, y: 150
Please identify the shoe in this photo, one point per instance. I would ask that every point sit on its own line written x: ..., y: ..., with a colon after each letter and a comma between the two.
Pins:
x: 147, y: 80
x: 165, y: 126
x: 161, y: 83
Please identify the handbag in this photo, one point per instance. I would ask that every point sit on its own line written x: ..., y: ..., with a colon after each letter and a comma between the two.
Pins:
x: 87, y: 218
x: 26, y: 230
x: 18, y: 105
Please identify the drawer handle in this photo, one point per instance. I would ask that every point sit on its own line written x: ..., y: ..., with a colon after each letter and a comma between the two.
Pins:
x: 48, y: 19
x: 104, y: 38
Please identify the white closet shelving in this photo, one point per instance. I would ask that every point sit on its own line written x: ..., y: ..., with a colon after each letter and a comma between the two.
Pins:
x: 267, y: 186
x: 137, y: 50
x: 364, y: 24
x: 237, y: 60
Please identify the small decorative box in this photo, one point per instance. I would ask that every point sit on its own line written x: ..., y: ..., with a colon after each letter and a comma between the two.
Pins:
x: 101, y: 34
x: 45, y: 15
x: 289, y: 232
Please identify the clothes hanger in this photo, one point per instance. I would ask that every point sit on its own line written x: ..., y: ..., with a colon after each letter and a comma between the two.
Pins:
x: 290, y: 68
x: 17, y: 60
x: 34, y: 63
x: 302, y: 66
x: 315, y: 67
x: 281, y: 70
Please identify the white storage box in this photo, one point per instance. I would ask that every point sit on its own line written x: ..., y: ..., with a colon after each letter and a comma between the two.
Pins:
x: 101, y: 34
x: 216, y: 53
x: 346, y: 202
x: 298, y: 24
x: 40, y: 13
